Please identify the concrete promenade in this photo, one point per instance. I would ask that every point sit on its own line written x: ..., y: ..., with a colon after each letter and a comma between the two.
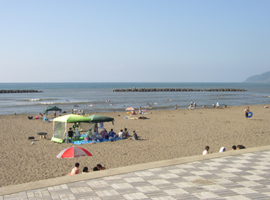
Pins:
x: 241, y: 174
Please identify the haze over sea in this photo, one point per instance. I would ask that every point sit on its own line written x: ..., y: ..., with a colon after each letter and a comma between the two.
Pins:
x: 92, y: 97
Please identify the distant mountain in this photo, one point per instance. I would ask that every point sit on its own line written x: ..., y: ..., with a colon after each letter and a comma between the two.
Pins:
x: 263, y: 78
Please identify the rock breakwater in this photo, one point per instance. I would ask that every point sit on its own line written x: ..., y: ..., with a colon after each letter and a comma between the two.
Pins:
x: 19, y: 91
x: 178, y: 90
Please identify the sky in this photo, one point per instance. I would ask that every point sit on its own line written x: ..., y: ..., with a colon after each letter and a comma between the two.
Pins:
x: 133, y: 40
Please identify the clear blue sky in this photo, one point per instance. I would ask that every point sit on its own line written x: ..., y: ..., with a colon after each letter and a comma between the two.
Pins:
x: 133, y: 40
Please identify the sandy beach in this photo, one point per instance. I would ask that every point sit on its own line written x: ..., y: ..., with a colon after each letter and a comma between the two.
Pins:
x: 166, y: 134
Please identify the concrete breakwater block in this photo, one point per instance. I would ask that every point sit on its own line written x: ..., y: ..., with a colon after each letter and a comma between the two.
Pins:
x: 19, y: 91
x: 178, y: 90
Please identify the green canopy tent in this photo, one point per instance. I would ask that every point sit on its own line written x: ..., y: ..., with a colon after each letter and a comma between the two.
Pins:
x: 51, y: 108
x: 99, y: 118
x: 60, y: 128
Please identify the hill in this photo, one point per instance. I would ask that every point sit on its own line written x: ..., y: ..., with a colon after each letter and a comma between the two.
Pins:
x: 263, y: 78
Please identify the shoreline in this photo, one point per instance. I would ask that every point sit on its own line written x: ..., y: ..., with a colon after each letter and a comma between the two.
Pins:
x: 166, y: 134
x: 148, y: 110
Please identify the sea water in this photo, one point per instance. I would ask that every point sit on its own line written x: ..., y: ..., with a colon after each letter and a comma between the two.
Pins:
x: 99, y: 97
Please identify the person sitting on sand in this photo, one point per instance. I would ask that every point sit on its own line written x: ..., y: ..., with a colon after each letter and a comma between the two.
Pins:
x: 98, y: 136
x: 70, y: 133
x: 126, y: 133
x: 133, y: 112
x: 95, y: 169
x: 222, y: 149
x: 75, y: 170
x: 103, y: 133
x: 206, y: 151
x: 85, y: 170
x: 233, y: 148
x: 121, y: 134
x: 112, y: 135
x: 240, y: 146
x: 134, y: 136
x: 100, y: 167
x: 88, y: 135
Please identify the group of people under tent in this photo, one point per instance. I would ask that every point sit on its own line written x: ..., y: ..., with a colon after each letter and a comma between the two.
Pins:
x: 94, y: 135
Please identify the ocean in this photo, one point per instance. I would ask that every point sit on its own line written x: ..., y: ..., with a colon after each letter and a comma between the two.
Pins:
x: 99, y: 97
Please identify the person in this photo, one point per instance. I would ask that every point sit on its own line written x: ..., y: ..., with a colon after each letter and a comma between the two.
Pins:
x: 233, y: 148
x: 54, y: 114
x: 41, y: 116
x: 126, y: 133
x: 206, y: 151
x: 121, y: 134
x: 88, y: 135
x: 98, y: 136
x: 100, y: 167
x: 77, y: 133
x: 240, y: 146
x: 85, y: 170
x: 222, y: 149
x: 103, y: 133
x: 134, y: 136
x: 175, y: 106
x: 140, y: 110
x: 70, y: 133
x: 95, y: 169
x: 133, y: 112
x: 246, y: 112
x: 75, y: 170
x: 213, y: 105
x: 112, y: 135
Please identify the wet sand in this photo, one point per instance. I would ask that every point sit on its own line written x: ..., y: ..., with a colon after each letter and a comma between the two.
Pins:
x: 166, y: 134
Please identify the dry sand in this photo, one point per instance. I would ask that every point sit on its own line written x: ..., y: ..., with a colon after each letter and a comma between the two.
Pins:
x: 166, y: 134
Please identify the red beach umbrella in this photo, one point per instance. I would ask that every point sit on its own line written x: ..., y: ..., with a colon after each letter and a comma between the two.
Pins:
x: 131, y: 108
x: 73, y: 152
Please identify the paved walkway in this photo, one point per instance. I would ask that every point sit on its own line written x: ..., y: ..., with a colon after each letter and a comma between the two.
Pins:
x: 235, y: 176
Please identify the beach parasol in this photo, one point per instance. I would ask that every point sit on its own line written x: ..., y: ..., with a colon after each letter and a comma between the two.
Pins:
x: 73, y: 152
x: 131, y: 108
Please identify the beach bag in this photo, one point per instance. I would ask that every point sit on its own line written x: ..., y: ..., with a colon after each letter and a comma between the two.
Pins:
x: 106, y: 137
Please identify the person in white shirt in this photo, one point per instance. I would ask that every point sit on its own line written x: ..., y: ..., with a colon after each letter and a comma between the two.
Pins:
x: 206, y: 151
x: 121, y: 134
